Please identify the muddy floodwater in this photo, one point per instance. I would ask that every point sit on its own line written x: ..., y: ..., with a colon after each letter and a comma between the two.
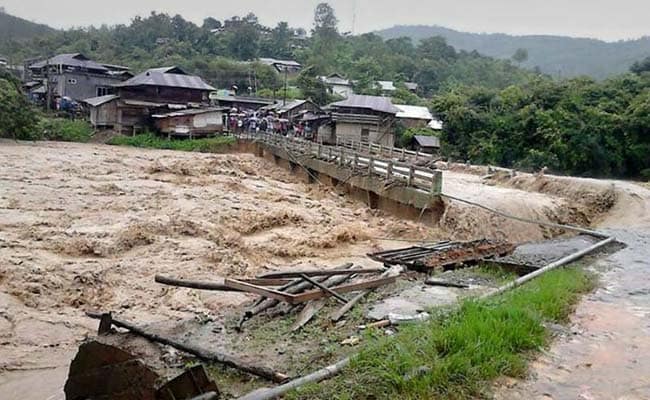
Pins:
x: 87, y: 227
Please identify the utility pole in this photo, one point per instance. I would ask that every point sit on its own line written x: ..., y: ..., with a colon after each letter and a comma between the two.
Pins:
x: 286, y: 78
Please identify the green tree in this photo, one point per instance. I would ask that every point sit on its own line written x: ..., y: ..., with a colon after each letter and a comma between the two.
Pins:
x: 17, y: 117
x: 520, y: 56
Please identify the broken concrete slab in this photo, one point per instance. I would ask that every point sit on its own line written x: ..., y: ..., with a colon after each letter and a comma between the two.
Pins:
x: 413, y: 301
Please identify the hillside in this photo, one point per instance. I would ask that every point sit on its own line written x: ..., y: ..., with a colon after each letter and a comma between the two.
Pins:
x: 15, y: 28
x: 554, y: 55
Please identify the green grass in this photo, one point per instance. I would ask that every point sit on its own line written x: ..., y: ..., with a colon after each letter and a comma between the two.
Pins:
x: 208, y: 145
x: 457, y: 355
x: 65, y: 130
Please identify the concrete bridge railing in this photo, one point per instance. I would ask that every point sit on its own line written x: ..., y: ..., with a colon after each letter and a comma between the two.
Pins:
x: 420, y: 178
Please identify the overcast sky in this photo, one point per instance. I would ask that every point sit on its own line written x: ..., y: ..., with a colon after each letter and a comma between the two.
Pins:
x: 603, y: 19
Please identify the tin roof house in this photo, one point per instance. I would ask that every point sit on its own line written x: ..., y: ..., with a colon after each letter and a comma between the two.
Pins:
x: 75, y: 76
x: 363, y: 119
x: 155, y: 91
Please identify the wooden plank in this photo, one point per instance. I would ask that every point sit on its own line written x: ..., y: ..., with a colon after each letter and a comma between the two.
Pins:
x: 268, y: 281
x: 193, y: 284
x: 332, y: 272
x: 353, y: 287
x: 262, y: 291
x: 307, y: 314
x: 324, y: 289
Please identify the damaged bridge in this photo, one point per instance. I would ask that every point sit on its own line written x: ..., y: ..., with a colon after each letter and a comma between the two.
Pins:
x: 400, y: 187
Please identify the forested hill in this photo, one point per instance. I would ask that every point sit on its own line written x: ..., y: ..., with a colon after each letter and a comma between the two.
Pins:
x: 554, y: 55
x: 15, y: 28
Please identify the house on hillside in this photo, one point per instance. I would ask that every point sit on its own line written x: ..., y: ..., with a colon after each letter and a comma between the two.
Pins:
x: 426, y: 144
x: 292, y: 68
x: 75, y: 76
x: 362, y: 119
x: 294, y: 109
x: 413, y: 116
x: 155, y: 91
x: 338, y: 85
x: 388, y: 87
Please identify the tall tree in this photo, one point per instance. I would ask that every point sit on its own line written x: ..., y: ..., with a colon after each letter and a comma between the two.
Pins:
x: 520, y: 56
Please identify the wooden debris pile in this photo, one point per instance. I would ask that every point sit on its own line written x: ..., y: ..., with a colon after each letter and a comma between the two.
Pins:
x: 445, y: 255
x: 282, y: 290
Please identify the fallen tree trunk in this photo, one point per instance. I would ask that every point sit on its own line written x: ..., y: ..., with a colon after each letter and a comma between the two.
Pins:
x: 194, y: 284
x: 204, y: 354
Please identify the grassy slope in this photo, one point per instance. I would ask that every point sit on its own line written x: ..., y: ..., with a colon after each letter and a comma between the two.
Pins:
x: 457, y: 355
x: 209, y: 145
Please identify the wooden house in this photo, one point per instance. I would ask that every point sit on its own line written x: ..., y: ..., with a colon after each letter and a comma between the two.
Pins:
x: 155, y: 91
x: 363, y: 119
x: 413, y: 116
x: 76, y: 76
x: 191, y: 123
x: 426, y: 144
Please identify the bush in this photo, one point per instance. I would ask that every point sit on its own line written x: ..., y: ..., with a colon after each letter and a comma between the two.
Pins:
x: 645, y: 174
x: 17, y: 117
x: 150, y: 140
x: 64, y: 130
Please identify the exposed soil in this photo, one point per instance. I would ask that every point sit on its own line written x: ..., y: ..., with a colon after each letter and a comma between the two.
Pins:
x: 87, y: 226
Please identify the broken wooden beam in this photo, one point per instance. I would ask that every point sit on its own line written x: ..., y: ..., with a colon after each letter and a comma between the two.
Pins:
x: 202, y: 353
x: 194, y: 284
x: 333, y: 272
x: 260, y: 290
x: 353, y: 287
x: 324, y: 288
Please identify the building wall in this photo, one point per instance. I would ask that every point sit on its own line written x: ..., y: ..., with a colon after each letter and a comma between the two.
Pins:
x: 86, y: 84
x: 376, y: 134
x: 199, y: 124
x: 104, y: 115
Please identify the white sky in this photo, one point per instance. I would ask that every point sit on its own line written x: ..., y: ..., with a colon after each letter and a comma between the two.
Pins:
x: 603, y: 19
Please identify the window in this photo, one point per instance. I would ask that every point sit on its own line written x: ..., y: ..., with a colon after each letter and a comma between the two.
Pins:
x: 365, y: 134
x: 72, y: 81
x: 103, y: 91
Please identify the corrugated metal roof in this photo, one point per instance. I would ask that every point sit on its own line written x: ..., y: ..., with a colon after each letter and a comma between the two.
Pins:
x: 336, y: 79
x: 376, y: 103
x: 98, y: 101
x: 427, y: 141
x: 73, y: 60
x: 413, y: 112
x: 167, y: 76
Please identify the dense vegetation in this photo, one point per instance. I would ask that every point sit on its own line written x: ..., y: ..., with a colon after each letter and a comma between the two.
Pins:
x: 16, y: 30
x: 566, y: 57
x: 455, y: 356
x: 576, y: 126
x: 160, y: 39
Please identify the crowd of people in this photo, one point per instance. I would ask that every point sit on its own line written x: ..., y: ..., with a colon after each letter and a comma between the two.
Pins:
x: 240, y: 121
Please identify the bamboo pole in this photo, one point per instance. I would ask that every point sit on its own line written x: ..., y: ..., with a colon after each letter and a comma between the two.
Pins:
x: 204, y: 354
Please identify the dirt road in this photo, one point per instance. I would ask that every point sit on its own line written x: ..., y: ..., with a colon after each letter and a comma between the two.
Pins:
x: 88, y: 226
x: 607, y: 355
